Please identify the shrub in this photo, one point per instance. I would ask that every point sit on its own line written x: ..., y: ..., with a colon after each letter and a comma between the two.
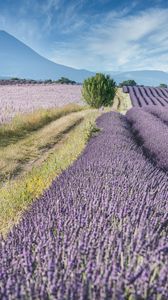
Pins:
x: 128, y: 83
x: 48, y: 81
x: 99, y: 90
x: 163, y: 85
x: 91, y: 130
x: 15, y: 78
x: 64, y: 80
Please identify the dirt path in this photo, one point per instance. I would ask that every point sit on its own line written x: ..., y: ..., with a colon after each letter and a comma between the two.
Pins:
x: 122, y: 102
x: 18, y: 158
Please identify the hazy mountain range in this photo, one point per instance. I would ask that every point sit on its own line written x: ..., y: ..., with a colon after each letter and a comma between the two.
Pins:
x: 19, y: 60
x: 146, y: 77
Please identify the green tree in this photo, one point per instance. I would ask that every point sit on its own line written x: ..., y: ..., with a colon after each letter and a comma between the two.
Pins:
x: 48, y: 81
x: 99, y: 90
x: 163, y: 85
x: 15, y: 78
x: 129, y: 82
x: 64, y: 80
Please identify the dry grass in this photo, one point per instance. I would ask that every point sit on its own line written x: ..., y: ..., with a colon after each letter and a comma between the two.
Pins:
x: 16, y: 195
x: 122, y: 102
x: 15, y: 157
x: 24, y: 124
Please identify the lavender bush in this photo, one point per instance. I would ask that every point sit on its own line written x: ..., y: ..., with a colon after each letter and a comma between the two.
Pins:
x: 147, y: 96
x: 152, y: 133
x: 26, y: 98
x: 99, y: 232
x: 159, y: 112
x: 125, y: 89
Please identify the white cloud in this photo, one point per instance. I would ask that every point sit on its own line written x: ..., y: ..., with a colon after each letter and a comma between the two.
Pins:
x: 50, y: 5
x: 25, y: 25
x: 25, y: 30
x: 117, y: 40
x: 121, y: 42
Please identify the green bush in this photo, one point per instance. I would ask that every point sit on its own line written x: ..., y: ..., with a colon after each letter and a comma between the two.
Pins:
x: 64, y: 80
x: 129, y: 82
x: 91, y: 130
x: 163, y: 85
x: 99, y: 90
x: 48, y: 81
x: 15, y: 78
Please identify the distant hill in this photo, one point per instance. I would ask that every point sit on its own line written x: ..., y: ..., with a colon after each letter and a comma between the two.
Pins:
x: 19, y: 60
x: 146, y: 77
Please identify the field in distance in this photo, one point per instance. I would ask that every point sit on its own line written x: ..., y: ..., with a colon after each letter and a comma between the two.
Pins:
x: 28, y: 98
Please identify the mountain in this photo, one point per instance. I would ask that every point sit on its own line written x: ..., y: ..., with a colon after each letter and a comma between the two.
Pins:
x: 19, y: 60
x: 145, y: 77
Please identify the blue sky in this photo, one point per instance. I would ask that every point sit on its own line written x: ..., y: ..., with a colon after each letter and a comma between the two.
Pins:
x: 97, y: 35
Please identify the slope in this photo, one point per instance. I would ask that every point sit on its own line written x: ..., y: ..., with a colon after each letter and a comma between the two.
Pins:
x: 17, y: 59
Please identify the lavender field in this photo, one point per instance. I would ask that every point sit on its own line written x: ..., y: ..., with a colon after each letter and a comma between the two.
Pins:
x: 83, y: 150
x: 101, y: 230
x: 27, y: 98
x: 147, y: 96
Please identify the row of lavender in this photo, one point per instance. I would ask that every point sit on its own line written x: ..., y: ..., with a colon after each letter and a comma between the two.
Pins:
x: 99, y: 232
x: 150, y: 127
x: 147, y: 96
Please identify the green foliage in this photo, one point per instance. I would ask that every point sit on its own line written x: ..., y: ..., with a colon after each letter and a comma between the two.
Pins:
x: 15, y: 78
x: 48, y: 81
x: 64, y: 80
x: 163, y: 85
x: 91, y: 130
x: 129, y: 82
x: 99, y: 90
